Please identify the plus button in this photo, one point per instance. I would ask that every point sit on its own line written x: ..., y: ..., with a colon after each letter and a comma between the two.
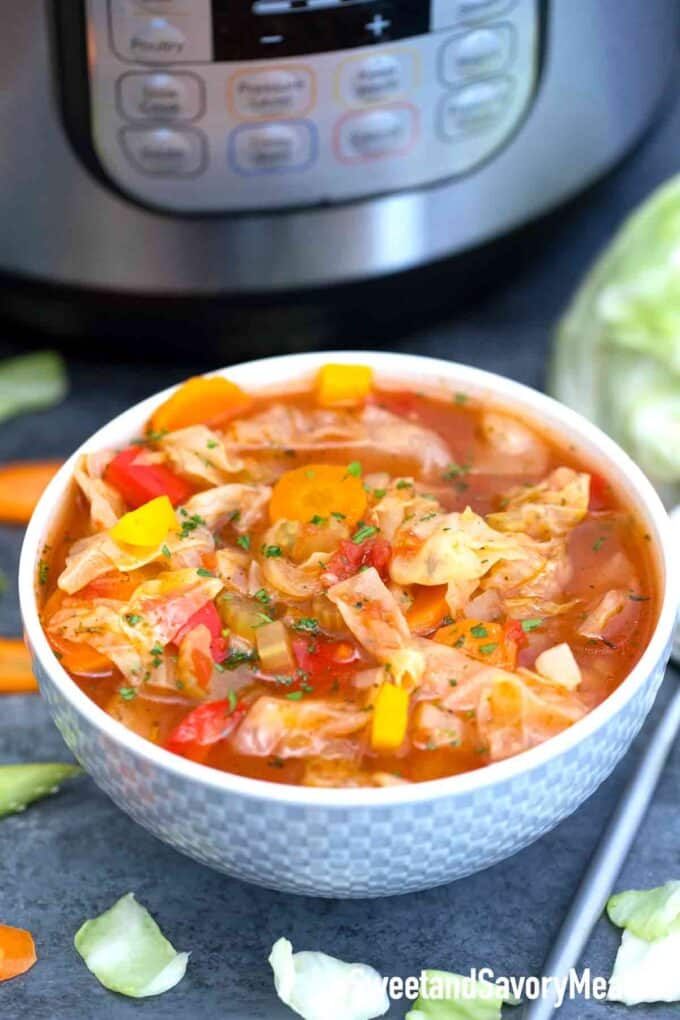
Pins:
x: 378, y: 25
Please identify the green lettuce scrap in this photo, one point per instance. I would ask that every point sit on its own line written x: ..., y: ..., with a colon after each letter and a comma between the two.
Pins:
x: 21, y: 785
x: 31, y: 382
x: 127, y: 952
x: 646, y: 967
x: 617, y: 352
x: 447, y: 996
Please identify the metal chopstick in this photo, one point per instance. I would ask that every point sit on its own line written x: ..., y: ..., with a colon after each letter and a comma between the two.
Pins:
x: 607, y: 861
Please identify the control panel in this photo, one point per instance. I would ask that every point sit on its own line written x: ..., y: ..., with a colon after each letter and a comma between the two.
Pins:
x: 246, y: 105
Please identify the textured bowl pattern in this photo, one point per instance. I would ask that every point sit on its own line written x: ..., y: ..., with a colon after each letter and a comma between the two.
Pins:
x: 357, y: 851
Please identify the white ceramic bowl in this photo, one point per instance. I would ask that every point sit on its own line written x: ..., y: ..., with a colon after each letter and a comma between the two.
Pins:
x: 358, y: 842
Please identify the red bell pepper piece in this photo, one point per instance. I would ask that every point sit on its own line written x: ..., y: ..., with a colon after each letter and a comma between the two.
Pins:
x: 323, y: 664
x: 204, y: 727
x: 210, y: 618
x: 138, y: 483
x: 515, y: 632
x: 600, y: 493
x: 350, y: 557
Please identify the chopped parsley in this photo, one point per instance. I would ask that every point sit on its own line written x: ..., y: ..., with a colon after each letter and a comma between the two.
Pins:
x: 529, y: 625
x: 338, y: 516
x: 232, y: 701
x: 479, y: 631
x: 453, y: 682
x: 166, y: 552
x: 454, y: 471
x: 155, y: 436
x: 212, y: 444
x: 379, y: 493
x: 363, y: 532
x: 243, y: 541
x: 597, y: 545
x: 43, y: 572
x: 638, y: 598
x: 189, y: 523
x: 272, y: 551
x: 238, y: 657
x: 127, y: 693
x: 317, y: 519
x: 404, y: 484
x: 263, y: 597
x: 460, y: 398
x: 354, y: 469
x: 157, y: 655
x: 307, y: 624
x: 133, y: 619
x: 276, y: 763
x: 263, y: 618
x: 202, y: 572
x: 488, y: 649
x: 294, y: 696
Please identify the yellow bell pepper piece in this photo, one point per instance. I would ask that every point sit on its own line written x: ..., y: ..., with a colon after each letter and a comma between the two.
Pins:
x: 390, y: 717
x: 147, y: 526
x: 343, y: 385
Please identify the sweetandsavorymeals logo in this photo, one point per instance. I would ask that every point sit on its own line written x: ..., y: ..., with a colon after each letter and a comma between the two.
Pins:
x: 484, y: 984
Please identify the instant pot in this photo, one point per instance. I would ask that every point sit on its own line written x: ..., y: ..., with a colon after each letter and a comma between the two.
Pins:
x: 153, y: 152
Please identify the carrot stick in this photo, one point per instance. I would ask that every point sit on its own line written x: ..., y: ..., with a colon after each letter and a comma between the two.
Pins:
x: 17, y: 952
x: 21, y: 486
x: 428, y: 609
x: 16, y: 672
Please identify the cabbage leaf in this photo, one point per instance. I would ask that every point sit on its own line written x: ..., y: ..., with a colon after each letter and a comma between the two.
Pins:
x: 447, y: 996
x: 646, y: 967
x: 320, y: 987
x: 127, y: 952
x: 31, y: 382
x: 21, y: 785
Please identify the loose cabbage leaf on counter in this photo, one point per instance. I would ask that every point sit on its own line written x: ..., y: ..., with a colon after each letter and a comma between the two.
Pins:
x: 646, y: 967
x: 127, y: 952
x: 21, y: 785
x: 617, y: 351
x: 31, y: 382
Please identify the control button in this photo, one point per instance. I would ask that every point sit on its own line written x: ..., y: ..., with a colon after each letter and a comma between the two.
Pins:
x: 165, y: 152
x: 389, y: 131
x: 161, y: 32
x: 446, y: 13
x: 157, y: 41
x: 377, y: 78
x: 475, y: 106
x: 161, y: 96
x: 377, y: 25
x: 276, y: 92
x: 272, y: 148
x: 481, y: 51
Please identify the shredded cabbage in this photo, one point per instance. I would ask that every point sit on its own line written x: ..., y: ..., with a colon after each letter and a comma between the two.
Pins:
x: 20, y: 785
x: 127, y: 952
x: 646, y: 967
x: 446, y: 996
x: 617, y: 355
x: 31, y: 382
x: 319, y: 987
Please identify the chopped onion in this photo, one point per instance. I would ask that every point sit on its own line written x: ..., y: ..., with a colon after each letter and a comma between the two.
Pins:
x: 273, y: 648
x: 558, y: 665
x: 609, y: 606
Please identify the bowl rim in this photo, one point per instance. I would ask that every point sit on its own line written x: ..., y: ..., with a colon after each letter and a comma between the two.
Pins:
x: 551, y: 415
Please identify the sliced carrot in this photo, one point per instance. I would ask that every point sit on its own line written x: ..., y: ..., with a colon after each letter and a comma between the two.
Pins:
x: 17, y: 952
x: 16, y: 671
x: 200, y: 401
x: 428, y: 609
x: 317, y: 491
x: 115, y: 586
x: 480, y: 640
x: 21, y: 486
x: 82, y: 660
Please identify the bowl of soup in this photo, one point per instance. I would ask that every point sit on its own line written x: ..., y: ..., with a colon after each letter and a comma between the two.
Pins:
x: 349, y: 625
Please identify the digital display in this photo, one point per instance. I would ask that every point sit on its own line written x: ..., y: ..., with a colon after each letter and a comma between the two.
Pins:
x: 266, y: 29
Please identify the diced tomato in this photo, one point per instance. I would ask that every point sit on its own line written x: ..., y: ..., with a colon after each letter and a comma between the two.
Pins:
x: 323, y: 664
x: 210, y: 618
x: 515, y: 632
x: 204, y: 727
x: 352, y: 556
x: 600, y: 493
x: 402, y: 404
x: 139, y: 483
